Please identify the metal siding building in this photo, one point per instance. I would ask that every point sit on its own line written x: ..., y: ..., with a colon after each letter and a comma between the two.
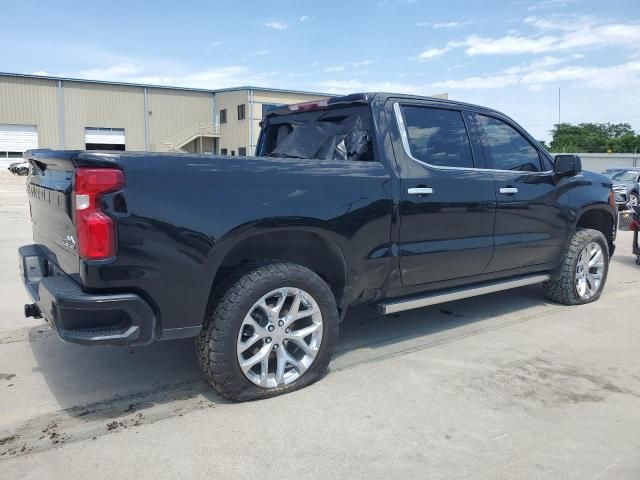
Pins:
x: 61, y: 113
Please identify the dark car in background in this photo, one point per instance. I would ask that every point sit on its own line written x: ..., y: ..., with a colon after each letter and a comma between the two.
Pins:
x: 626, y: 184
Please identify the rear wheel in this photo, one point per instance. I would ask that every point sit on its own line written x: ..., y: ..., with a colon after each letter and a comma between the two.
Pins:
x: 270, y: 329
x: 633, y: 199
x: 583, y: 273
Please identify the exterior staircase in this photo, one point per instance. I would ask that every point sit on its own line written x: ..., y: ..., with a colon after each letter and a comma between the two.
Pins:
x: 175, y: 143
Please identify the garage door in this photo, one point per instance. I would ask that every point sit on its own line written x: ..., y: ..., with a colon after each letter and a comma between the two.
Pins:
x: 104, y: 138
x: 14, y: 140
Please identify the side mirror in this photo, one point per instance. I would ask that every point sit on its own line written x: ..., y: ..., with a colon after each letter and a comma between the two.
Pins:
x: 567, y: 165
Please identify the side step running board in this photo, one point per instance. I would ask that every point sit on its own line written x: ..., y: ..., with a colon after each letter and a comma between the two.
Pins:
x: 442, y: 296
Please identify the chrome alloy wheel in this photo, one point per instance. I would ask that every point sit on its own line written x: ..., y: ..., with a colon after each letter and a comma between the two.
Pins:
x: 589, y: 270
x: 279, y: 337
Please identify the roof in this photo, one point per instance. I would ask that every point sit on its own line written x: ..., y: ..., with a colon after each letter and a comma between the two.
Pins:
x: 168, y: 87
x: 382, y: 97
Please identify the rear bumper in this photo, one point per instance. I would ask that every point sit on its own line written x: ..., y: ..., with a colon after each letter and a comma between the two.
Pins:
x: 80, y: 317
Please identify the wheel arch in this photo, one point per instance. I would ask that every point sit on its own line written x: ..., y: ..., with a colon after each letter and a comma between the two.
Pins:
x: 308, y: 248
x: 598, y: 218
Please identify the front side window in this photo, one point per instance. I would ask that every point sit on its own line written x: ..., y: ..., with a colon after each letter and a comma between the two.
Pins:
x: 437, y: 137
x: 505, y: 148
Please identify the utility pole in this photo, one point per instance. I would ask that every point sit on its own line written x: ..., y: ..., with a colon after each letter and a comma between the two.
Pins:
x: 558, y: 105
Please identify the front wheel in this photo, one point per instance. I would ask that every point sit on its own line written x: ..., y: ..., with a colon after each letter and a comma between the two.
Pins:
x: 583, y: 272
x: 633, y: 199
x: 269, y: 329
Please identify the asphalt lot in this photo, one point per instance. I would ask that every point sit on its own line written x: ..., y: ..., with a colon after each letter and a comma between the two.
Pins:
x: 501, y: 386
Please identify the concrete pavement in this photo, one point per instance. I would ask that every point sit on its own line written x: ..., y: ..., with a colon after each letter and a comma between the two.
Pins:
x: 501, y: 386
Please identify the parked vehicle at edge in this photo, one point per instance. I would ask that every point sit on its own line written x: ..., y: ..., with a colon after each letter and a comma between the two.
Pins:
x: 19, y: 168
x: 396, y: 200
x: 626, y: 184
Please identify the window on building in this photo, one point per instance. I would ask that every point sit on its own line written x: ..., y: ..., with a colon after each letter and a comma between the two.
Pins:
x: 223, y: 115
x: 437, y: 137
x: 241, y: 112
x: 242, y: 151
x: 505, y: 148
x: 233, y: 153
x: 223, y: 151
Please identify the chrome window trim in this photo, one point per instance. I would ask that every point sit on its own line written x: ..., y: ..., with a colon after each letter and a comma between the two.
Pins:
x: 405, y: 144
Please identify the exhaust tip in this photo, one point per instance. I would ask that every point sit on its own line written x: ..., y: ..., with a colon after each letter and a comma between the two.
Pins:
x: 32, y: 310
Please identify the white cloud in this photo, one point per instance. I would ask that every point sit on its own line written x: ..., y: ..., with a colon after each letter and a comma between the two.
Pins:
x: 577, y: 33
x: 276, y: 24
x: 537, y: 73
x: 477, y: 82
x: 547, y: 4
x: 540, y: 63
x: 452, y: 24
x: 362, y: 63
x: 615, y: 76
x: 423, y: 24
x: 335, y: 68
x: 352, y: 86
x: 432, y: 53
x: 259, y: 52
x: 216, y: 44
x: 303, y: 18
x: 149, y: 72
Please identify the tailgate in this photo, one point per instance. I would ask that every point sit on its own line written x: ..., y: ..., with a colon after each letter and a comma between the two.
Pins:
x: 49, y: 188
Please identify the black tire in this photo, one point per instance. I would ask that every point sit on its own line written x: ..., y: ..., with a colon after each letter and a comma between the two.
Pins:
x: 231, y: 301
x: 561, y: 288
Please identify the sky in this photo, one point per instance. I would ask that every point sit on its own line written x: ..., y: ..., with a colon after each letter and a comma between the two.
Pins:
x: 510, y: 55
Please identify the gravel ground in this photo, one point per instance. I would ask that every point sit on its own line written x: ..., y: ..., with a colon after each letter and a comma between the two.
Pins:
x: 501, y: 386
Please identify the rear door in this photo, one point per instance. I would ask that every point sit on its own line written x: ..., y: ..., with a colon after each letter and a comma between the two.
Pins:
x: 530, y: 226
x: 447, y: 204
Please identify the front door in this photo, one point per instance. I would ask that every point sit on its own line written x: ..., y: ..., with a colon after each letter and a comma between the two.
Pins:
x: 447, y: 205
x: 530, y: 228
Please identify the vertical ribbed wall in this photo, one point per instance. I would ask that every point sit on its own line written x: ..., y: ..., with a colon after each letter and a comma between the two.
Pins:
x: 29, y: 101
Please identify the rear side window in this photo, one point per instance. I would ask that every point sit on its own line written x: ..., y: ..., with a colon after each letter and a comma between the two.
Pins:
x: 505, y: 148
x: 340, y: 133
x: 437, y: 137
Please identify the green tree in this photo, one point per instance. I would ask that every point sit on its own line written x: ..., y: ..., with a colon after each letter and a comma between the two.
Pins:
x: 594, y: 138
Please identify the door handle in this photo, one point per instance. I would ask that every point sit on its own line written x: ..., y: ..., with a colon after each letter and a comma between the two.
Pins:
x: 508, y: 190
x: 420, y: 191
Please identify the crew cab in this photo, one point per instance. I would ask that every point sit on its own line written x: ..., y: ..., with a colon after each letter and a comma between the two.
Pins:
x: 400, y: 201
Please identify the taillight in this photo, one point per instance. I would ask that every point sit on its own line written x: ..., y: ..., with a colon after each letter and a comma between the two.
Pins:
x: 96, y: 231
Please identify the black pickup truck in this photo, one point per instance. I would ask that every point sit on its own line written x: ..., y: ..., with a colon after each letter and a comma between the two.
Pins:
x: 400, y: 201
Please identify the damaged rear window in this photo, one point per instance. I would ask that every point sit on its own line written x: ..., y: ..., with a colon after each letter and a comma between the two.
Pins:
x: 334, y: 134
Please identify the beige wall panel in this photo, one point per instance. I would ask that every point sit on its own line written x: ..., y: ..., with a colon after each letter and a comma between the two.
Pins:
x: 235, y: 133
x: 31, y: 101
x: 175, y: 111
x: 108, y: 106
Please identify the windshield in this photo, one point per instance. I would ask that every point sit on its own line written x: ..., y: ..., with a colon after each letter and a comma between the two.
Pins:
x: 624, y: 176
x: 333, y: 134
